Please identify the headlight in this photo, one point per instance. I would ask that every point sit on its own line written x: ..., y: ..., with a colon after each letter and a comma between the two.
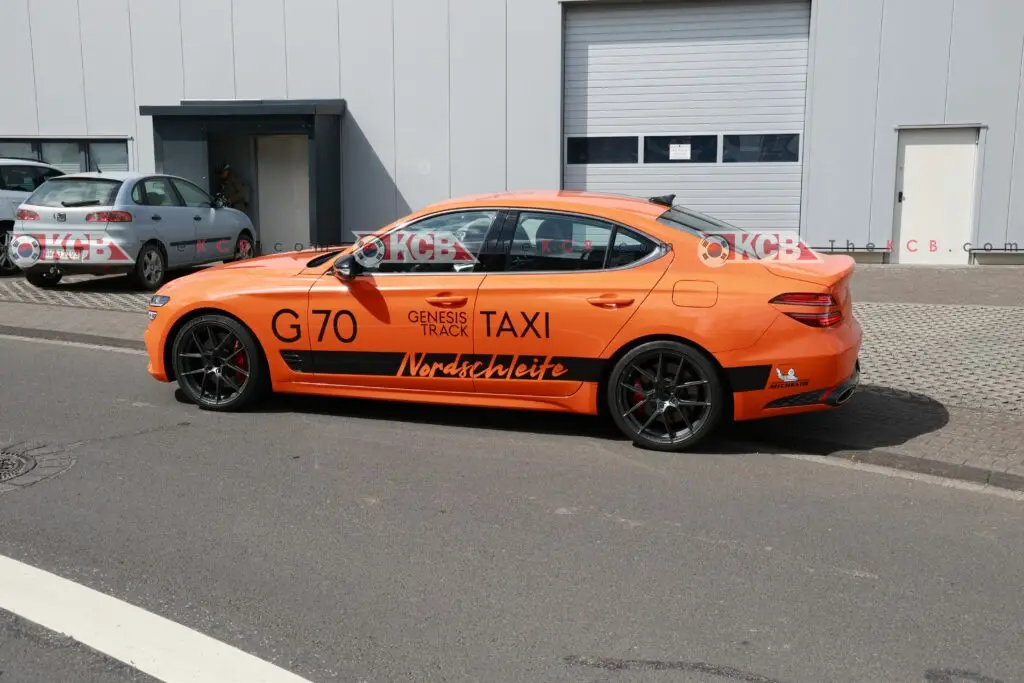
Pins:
x: 159, y: 300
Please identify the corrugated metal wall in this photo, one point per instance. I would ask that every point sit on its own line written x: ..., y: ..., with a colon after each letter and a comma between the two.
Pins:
x: 680, y: 81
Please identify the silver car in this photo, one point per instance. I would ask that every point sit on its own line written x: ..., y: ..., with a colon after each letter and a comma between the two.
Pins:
x: 140, y: 224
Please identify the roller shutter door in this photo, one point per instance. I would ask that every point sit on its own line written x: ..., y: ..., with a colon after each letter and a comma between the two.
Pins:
x: 704, y: 100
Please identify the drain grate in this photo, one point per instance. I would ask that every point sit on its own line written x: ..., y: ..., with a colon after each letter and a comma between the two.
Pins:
x: 13, y: 465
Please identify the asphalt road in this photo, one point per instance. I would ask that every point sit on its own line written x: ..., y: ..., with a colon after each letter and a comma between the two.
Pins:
x: 355, y: 541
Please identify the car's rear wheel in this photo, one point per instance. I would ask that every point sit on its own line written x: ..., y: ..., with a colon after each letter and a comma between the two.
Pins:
x: 150, y: 271
x: 218, y: 363
x: 44, y: 278
x: 665, y: 395
x: 7, y: 266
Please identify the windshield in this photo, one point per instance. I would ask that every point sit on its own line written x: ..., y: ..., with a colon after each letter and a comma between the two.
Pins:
x: 71, y: 192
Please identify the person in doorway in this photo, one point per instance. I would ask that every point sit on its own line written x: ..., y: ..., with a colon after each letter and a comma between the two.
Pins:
x: 233, y: 189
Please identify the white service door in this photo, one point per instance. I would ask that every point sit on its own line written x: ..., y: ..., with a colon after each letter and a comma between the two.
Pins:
x: 935, y: 195
x: 282, y: 169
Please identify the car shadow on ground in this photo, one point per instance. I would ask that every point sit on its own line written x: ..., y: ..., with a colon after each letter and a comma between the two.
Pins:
x: 873, y: 418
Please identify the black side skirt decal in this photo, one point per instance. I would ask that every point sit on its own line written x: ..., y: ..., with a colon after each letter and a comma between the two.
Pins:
x: 446, y: 365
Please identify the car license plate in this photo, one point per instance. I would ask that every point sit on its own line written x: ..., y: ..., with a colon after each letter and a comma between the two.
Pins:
x: 66, y: 255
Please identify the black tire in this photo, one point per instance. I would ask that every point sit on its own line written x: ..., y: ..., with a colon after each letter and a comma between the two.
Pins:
x: 214, y: 352
x: 150, y: 272
x: 674, y: 413
x: 245, y: 247
x: 7, y: 266
x: 43, y: 278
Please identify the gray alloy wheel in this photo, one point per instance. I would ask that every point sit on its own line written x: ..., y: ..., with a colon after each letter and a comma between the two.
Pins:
x: 7, y: 266
x: 150, y: 268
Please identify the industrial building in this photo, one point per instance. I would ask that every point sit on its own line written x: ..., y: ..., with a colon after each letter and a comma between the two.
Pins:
x: 886, y: 128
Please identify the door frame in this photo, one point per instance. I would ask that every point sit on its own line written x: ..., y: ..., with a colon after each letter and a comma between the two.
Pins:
x: 979, y: 165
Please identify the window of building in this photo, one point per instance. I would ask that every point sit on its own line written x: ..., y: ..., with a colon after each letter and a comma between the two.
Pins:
x: 603, y: 150
x: 71, y: 156
x: 774, y: 147
x: 681, y: 149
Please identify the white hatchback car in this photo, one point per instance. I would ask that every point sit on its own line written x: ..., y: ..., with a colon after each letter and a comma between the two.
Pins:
x: 19, y: 178
x: 140, y: 224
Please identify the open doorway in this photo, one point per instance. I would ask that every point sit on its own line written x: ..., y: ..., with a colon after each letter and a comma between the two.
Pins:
x: 287, y: 153
x: 238, y: 154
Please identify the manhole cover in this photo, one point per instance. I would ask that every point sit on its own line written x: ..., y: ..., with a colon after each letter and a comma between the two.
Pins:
x: 13, y: 465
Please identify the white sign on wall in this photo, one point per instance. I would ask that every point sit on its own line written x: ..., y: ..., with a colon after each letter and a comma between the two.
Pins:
x: 679, y: 152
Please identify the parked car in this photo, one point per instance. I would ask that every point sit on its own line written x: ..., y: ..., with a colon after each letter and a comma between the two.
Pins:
x: 19, y: 178
x: 141, y: 224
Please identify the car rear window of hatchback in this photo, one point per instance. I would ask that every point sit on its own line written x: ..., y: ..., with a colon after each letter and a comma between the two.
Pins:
x: 72, y: 192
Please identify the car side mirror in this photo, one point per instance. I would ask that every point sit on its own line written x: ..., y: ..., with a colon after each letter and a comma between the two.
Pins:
x: 347, y: 267
x: 218, y: 203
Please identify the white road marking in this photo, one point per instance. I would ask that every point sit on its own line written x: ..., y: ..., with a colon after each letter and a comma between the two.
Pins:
x: 80, y: 345
x: 913, y: 476
x: 156, y: 646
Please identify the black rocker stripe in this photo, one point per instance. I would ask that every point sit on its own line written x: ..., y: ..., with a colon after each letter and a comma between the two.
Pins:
x: 388, y: 364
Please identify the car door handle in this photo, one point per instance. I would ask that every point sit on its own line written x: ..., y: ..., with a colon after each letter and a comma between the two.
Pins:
x: 609, y: 301
x: 157, y: 218
x: 447, y: 300
x: 197, y: 218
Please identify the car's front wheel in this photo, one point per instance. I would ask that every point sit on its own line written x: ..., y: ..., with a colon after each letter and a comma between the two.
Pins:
x: 218, y: 363
x: 665, y: 395
x: 7, y: 266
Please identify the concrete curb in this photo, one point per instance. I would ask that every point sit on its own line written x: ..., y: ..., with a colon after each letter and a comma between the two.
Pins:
x: 807, y: 445
x: 810, y: 445
x: 55, y: 335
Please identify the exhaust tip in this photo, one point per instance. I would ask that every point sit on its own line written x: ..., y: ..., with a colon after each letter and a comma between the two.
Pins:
x: 843, y: 396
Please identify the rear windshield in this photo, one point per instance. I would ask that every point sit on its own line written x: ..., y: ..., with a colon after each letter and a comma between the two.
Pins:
x: 71, y: 192
x: 703, y: 226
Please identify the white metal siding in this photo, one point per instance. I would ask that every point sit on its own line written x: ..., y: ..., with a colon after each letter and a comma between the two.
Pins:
x: 686, y: 69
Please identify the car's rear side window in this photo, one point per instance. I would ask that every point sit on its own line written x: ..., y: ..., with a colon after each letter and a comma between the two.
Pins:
x: 67, y: 192
x: 546, y: 241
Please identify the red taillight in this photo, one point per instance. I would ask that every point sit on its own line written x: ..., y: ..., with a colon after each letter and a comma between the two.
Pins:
x: 26, y: 215
x: 109, y: 217
x: 826, y: 318
x: 804, y: 299
x: 830, y: 319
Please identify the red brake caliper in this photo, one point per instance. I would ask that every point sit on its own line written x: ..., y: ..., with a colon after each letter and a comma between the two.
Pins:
x: 239, y: 362
x: 639, y: 396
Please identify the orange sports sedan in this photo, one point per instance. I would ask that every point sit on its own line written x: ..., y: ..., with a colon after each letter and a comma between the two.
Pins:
x: 638, y: 309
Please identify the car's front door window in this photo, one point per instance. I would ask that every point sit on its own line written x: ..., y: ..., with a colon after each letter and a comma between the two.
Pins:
x: 447, y: 243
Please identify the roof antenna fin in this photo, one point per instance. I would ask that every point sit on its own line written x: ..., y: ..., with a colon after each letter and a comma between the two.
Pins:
x: 663, y: 200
